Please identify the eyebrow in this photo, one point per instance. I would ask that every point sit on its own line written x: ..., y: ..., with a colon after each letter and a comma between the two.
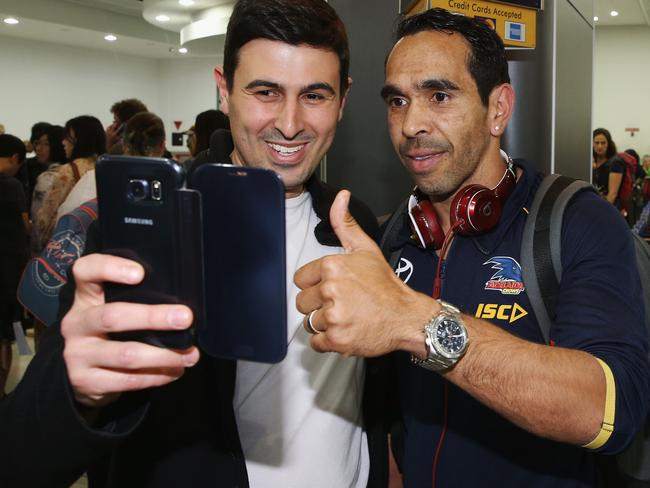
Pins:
x: 389, y: 91
x: 259, y: 83
x: 319, y: 86
x: 437, y: 84
x: 425, y: 85
x: 307, y: 88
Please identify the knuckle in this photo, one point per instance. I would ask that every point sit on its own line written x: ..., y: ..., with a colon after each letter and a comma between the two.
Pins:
x: 77, y: 266
x: 133, y: 382
x: 69, y: 322
x: 331, y: 316
x: 127, y: 355
x: 106, y: 318
x: 329, y: 289
x: 331, y: 264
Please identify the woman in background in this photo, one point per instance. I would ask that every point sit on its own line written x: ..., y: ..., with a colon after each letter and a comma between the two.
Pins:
x: 53, y: 140
x: 84, y: 142
x: 607, y: 170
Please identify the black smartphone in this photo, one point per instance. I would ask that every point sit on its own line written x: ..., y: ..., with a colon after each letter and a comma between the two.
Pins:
x: 245, y: 263
x: 146, y: 215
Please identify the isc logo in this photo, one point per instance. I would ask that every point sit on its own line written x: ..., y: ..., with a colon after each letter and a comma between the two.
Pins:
x: 500, y: 312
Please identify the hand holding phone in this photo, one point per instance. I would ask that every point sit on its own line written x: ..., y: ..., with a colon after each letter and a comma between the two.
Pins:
x: 100, y: 368
x: 146, y: 216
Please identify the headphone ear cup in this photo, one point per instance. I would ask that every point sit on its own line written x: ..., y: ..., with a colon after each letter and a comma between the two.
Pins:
x: 476, y: 208
x: 428, y: 228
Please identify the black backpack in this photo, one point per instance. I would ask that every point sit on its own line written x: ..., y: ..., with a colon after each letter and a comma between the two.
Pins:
x: 542, y: 270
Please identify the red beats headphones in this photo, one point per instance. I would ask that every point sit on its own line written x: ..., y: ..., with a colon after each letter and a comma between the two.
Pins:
x: 474, y: 210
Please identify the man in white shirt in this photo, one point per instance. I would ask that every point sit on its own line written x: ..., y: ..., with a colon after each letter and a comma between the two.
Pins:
x: 283, y: 84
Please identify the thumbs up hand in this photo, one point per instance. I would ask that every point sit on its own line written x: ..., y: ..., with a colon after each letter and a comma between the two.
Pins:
x: 355, y: 301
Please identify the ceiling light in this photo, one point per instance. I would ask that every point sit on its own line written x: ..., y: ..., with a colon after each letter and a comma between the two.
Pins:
x: 182, y: 50
x: 162, y: 18
x: 110, y: 38
x: 614, y: 13
x: 595, y: 19
x: 186, y: 3
x: 11, y: 21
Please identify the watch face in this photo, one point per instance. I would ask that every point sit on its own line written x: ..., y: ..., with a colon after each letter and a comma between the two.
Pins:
x: 451, y: 336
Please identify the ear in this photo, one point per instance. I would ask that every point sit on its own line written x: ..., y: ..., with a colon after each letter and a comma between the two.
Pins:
x: 344, y: 98
x: 224, y: 94
x: 501, y: 106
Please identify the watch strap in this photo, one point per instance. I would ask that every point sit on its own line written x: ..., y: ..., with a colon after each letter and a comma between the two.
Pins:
x: 436, y: 363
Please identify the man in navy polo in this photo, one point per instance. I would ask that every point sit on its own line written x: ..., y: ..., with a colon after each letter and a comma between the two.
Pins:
x: 483, y: 400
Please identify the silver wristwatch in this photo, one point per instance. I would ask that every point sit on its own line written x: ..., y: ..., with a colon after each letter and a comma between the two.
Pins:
x: 445, y: 338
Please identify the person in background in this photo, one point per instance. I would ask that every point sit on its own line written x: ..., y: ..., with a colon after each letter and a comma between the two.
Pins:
x: 206, y: 123
x: 607, y: 169
x: 14, y: 249
x: 34, y: 165
x: 122, y: 111
x: 143, y: 135
x: 642, y: 225
x: 41, y: 160
x: 50, y: 146
x: 191, y: 142
x: 83, y: 143
x: 645, y: 166
x: 199, y: 142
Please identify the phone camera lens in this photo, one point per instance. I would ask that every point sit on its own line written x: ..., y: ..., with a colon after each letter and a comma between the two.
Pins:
x: 138, y: 189
x: 156, y: 190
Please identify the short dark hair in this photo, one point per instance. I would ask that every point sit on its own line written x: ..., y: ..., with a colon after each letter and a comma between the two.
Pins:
x: 297, y: 22
x: 55, y: 136
x: 125, y: 109
x: 611, y: 146
x: 38, y: 129
x: 206, y: 123
x: 143, y: 133
x: 487, y: 63
x: 90, y: 138
x: 10, y: 145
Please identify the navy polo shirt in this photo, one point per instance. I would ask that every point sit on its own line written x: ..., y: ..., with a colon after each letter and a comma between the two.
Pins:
x: 599, y: 311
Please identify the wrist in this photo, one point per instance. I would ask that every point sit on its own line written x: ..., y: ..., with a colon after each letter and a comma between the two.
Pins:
x: 445, y: 338
x: 412, y: 337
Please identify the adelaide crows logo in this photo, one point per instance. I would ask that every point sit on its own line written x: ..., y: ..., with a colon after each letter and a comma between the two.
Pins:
x: 507, y: 278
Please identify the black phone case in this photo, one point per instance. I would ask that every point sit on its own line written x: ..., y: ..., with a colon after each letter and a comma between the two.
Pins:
x: 161, y: 231
x: 245, y: 263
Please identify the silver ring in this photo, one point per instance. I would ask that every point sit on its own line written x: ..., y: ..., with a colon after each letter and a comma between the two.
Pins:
x: 309, y: 325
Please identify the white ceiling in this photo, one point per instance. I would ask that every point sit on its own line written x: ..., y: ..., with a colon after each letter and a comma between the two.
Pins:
x: 631, y: 12
x: 85, y: 22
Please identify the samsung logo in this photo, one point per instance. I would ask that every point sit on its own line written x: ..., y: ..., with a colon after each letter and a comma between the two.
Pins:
x: 133, y: 220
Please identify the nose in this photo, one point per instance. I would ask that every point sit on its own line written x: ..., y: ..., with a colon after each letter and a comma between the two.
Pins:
x: 290, y: 119
x: 417, y: 120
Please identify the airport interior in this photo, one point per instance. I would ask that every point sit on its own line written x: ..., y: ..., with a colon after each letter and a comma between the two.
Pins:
x: 575, y: 65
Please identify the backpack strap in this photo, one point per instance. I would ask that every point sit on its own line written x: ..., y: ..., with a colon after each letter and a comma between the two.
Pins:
x: 75, y: 171
x: 541, y: 246
x: 392, y: 229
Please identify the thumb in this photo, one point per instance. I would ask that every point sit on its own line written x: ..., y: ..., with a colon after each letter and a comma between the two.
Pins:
x: 346, y: 228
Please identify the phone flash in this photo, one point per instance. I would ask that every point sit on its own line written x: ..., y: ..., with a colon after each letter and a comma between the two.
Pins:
x: 156, y: 190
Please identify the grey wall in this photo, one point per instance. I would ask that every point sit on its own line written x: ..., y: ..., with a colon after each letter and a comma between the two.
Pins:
x: 552, y: 121
x: 362, y: 158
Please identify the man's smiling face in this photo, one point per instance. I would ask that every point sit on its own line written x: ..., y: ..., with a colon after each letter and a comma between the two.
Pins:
x: 284, y: 104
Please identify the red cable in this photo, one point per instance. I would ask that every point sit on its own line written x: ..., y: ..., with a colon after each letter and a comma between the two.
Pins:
x: 437, y: 286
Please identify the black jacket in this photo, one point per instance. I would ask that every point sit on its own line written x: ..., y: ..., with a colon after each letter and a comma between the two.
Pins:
x: 181, y: 434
